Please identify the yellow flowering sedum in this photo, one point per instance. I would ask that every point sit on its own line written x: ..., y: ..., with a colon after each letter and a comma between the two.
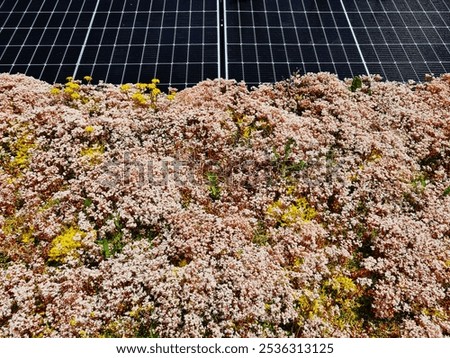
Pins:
x: 89, y: 129
x: 22, y: 156
x: 75, y: 96
x: 93, y: 153
x: 139, y: 98
x: 18, y: 225
x: 19, y: 147
x: 141, y: 86
x: 66, y: 245
x: 71, y: 87
x: 143, y: 94
x: 299, y: 212
x: 125, y: 87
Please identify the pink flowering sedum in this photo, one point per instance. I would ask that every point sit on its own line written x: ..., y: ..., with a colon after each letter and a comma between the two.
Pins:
x: 307, y: 208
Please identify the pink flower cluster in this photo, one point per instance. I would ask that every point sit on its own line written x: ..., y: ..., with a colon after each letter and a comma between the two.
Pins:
x: 305, y: 208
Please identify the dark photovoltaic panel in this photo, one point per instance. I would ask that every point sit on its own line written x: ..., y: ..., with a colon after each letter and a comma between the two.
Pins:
x: 43, y: 38
x: 269, y: 40
x: 113, y: 40
x: 132, y: 41
x: 398, y: 39
x: 402, y: 39
x: 182, y: 42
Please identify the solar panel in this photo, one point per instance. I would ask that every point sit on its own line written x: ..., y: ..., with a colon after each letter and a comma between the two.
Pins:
x: 402, y: 39
x: 43, y: 38
x: 182, y: 42
x: 269, y: 40
x: 135, y: 40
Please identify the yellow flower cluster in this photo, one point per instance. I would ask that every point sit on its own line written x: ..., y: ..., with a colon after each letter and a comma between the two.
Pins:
x: 18, y: 225
x: 125, y: 87
x: 287, y: 215
x: 22, y: 148
x: 55, y: 90
x: 65, y: 245
x: 19, y: 148
x: 139, y: 98
x: 144, y: 94
x: 71, y: 88
x: 89, y: 129
x: 94, y: 152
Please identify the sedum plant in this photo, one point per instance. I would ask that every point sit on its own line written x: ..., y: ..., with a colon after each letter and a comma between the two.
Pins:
x: 293, y: 209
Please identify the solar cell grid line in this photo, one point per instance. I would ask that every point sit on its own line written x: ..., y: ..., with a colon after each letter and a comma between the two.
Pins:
x: 147, y: 25
x: 270, y: 60
x: 35, y: 58
x: 4, y: 9
x: 371, y: 52
x: 417, y: 60
x: 172, y: 41
x: 358, y: 47
x: 80, y: 56
x: 78, y: 33
x: 436, y: 65
x: 130, y: 55
x: 385, y: 41
x: 175, y: 44
x: 116, y: 61
x: 241, y: 69
x: 363, y: 34
x: 223, y: 23
x: 204, y: 37
x: 257, y: 49
x: 166, y: 60
x: 349, y: 60
x: 14, y: 55
x: 189, y: 22
x: 403, y: 39
x: 402, y: 46
x: 15, y: 5
x: 202, y: 47
x: 221, y: 38
x: 95, y: 49
x: 201, y: 42
x: 432, y: 6
x: 294, y: 48
x: 97, y: 66
x: 48, y: 56
x: 289, y: 35
x: 432, y: 60
x: 38, y: 46
x: 328, y: 46
x: 158, y: 47
x: 158, y: 50
x: 246, y: 65
x: 446, y: 23
x: 13, y: 49
x: 249, y: 42
x: 284, y: 46
x: 308, y: 25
